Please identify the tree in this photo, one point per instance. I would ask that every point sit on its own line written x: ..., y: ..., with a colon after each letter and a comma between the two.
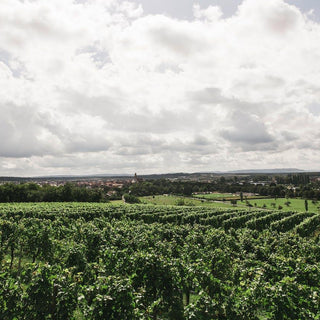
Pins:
x: 287, y: 203
x: 187, y: 190
x: 306, y: 204
x: 129, y: 198
x: 67, y: 191
x: 248, y: 204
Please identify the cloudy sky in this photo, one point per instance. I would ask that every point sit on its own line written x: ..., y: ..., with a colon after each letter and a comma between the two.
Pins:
x: 153, y: 86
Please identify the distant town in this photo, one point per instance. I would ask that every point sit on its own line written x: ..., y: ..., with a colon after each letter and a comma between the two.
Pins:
x: 279, y: 183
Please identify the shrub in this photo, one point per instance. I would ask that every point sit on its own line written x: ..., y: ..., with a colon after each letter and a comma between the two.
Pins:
x: 129, y: 198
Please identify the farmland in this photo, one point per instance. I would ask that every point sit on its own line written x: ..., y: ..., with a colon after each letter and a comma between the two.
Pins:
x: 225, y: 196
x: 101, y: 261
x: 286, y: 204
x: 176, y: 200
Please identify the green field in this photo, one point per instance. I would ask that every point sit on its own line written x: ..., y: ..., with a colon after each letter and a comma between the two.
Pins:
x: 270, y: 203
x: 294, y: 205
x: 216, y: 196
x: 175, y: 200
x: 226, y: 196
x: 116, y: 202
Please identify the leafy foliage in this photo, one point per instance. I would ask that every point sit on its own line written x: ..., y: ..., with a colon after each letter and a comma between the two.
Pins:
x: 96, y: 261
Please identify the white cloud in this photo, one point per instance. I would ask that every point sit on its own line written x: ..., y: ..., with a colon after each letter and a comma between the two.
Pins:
x: 212, y: 13
x: 247, y: 130
x: 99, y: 86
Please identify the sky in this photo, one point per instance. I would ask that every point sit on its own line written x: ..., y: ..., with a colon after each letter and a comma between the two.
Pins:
x: 156, y: 86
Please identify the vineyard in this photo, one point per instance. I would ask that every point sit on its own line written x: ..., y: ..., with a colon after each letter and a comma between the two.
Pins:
x: 100, y: 261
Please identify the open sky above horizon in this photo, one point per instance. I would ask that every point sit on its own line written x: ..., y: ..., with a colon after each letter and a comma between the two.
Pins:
x: 155, y: 86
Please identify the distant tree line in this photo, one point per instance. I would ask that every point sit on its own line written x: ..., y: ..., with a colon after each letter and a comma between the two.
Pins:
x: 290, y: 178
x: 295, y: 179
x: 186, y: 188
x: 31, y: 192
